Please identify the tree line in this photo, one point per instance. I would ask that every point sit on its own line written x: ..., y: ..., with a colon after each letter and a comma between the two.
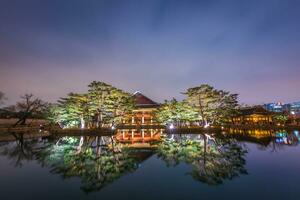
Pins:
x: 104, y: 104
x: 203, y: 105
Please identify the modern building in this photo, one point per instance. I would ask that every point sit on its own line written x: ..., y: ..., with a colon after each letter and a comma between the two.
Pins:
x: 295, y: 108
x: 143, y: 114
x: 276, y: 107
x: 290, y: 108
x: 253, y: 115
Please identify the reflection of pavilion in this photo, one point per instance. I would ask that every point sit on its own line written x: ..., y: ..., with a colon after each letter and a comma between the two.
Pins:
x: 266, y: 137
x: 257, y: 133
x: 139, y: 138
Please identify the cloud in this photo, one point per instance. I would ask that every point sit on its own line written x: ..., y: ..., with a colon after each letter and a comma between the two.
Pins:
x: 160, y: 47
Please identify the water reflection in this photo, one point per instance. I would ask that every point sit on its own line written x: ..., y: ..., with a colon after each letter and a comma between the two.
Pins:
x: 212, y: 160
x: 100, y: 160
x: 20, y: 151
x: 143, y: 138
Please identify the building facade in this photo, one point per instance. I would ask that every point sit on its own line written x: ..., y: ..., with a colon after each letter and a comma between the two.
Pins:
x: 253, y: 115
x: 289, y: 108
x: 144, y: 112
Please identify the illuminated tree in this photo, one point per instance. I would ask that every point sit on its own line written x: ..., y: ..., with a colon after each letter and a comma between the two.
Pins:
x: 103, y: 104
x: 213, y: 106
x: 109, y: 103
x: 98, y: 93
x: 281, y: 118
x: 118, y: 103
x: 53, y: 113
x: 73, y: 110
x: 224, y: 108
x: 176, y: 112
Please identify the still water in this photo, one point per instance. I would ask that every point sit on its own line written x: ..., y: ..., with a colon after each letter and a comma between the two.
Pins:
x: 153, y: 165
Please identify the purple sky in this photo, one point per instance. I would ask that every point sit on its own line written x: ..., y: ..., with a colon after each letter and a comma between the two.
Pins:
x: 50, y: 48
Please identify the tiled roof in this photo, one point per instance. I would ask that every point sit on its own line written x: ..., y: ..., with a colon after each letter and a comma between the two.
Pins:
x: 144, y: 102
x: 255, y: 110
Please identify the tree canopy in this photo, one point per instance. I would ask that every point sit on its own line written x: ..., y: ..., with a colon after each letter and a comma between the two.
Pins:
x: 213, y: 106
x: 281, y: 118
x: 102, y: 104
x: 176, y: 112
x: 105, y: 104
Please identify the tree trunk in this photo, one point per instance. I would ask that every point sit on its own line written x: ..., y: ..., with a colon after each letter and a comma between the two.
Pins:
x: 21, y: 121
x: 204, y: 156
x: 80, y: 144
x: 201, y: 111
x: 82, y: 123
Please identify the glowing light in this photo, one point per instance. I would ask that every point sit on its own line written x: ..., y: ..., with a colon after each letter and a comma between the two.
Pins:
x: 279, y: 140
x: 293, y: 112
x: 280, y: 135
x: 206, y: 125
x: 113, y: 128
x: 171, y: 126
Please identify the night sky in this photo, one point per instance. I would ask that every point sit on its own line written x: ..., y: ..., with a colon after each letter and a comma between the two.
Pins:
x: 251, y: 47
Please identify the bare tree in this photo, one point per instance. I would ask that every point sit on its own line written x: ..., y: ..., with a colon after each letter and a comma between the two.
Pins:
x: 28, y: 107
x: 2, y: 98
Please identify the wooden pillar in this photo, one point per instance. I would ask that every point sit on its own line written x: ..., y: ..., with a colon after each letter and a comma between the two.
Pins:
x: 132, y: 120
x: 123, y: 134
x: 132, y: 133
x: 143, y: 133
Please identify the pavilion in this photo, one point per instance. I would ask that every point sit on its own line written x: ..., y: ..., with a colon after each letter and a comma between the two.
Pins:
x: 143, y: 114
x: 253, y: 115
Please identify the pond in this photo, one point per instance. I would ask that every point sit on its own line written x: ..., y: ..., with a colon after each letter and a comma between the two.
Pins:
x: 151, y: 164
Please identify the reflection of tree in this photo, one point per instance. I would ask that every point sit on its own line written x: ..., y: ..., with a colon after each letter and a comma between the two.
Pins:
x: 212, y: 160
x: 98, y: 161
x: 20, y: 150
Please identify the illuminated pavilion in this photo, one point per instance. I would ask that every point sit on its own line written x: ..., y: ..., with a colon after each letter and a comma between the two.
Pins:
x: 143, y: 114
x: 253, y: 115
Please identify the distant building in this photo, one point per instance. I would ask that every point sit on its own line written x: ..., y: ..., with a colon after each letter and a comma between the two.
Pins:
x: 253, y: 115
x: 290, y: 108
x: 275, y: 107
x: 295, y: 108
x: 143, y: 114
